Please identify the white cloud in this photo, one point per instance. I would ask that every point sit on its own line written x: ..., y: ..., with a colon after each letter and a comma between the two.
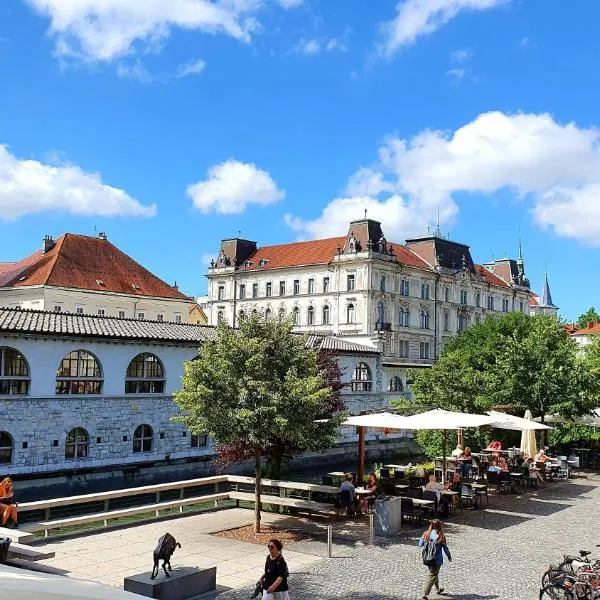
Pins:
x: 314, y: 46
x: 416, y: 18
x: 134, y: 70
x: 457, y: 74
x: 555, y: 167
x: 103, y: 30
x: 308, y: 47
x: 460, y: 56
x: 192, y: 67
x: 29, y: 187
x: 526, y: 42
x: 231, y: 185
x: 290, y: 3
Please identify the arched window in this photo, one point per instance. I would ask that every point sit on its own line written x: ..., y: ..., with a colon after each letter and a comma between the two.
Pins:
x: 310, y: 315
x: 296, y: 313
x: 404, y: 317
x: 77, y: 444
x: 14, y: 373
x: 361, y: 378
x: 142, y: 439
x: 145, y: 375
x: 380, y: 314
x: 281, y: 314
x: 326, y: 315
x: 242, y: 315
x: 424, y: 319
x: 395, y: 384
x: 268, y: 313
x: 79, y: 373
x: 6, y: 448
x: 220, y: 317
x: 350, y: 315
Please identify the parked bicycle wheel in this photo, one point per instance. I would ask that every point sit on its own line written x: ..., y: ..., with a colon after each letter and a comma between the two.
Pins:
x: 555, y: 576
x: 556, y: 592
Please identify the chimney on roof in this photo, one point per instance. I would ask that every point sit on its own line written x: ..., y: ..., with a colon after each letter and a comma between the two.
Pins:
x: 102, y: 235
x: 175, y: 286
x: 47, y: 243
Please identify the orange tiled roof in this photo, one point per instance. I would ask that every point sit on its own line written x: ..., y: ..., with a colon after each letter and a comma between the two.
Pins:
x: 571, y: 328
x: 593, y: 330
x: 86, y: 263
x: 317, y: 252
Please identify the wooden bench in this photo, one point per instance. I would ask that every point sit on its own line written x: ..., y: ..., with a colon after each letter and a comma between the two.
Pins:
x: 304, y: 505
x: 105, y: 516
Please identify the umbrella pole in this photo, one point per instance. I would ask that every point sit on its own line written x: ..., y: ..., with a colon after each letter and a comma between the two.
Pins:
x: 361, y: 456
x: 444, y: 440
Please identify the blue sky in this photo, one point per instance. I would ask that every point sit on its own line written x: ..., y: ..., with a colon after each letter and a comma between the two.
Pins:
x: 171, y: 125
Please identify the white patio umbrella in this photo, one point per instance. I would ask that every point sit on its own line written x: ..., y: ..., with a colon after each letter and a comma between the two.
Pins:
x: 528, y: 441
x: 591, y: 420
x: 444, y: 420
x: 21, y: 584
x: 505, y: 421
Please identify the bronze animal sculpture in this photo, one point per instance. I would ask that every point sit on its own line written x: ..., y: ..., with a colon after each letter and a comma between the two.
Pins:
x: 163, y: 551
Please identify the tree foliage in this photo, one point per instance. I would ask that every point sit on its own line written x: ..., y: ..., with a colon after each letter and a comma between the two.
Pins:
x: 589, y: 317
x: 258, y: 392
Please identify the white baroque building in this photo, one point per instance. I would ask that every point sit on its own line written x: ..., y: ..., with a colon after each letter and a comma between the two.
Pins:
x: 408, y: 299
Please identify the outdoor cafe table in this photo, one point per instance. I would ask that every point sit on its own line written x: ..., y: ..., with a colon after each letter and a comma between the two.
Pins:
x: 402, y: 486
x: 361, y: 491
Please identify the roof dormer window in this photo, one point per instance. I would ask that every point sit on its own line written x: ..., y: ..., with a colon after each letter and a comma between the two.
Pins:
x: 135, y: 286
x: 99, y: 281
x: 263, y: 262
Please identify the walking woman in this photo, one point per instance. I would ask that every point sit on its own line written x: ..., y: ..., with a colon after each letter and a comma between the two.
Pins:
x: 434, y: 543
x: 275, y: 580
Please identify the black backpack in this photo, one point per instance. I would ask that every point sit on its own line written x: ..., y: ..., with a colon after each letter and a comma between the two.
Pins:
x: 429, y: 553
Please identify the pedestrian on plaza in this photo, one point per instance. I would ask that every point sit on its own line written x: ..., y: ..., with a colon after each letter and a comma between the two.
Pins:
x: 433, y: 542
x: 275, y: 579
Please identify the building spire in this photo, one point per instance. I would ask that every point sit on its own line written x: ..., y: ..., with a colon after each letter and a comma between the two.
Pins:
x: 547, y: 296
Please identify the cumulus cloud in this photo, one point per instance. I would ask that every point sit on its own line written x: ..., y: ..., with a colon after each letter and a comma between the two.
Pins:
x: 416, y: 18
x: 29, y: 186
x: 103, y: 30
x: 192, y: 67
x: 555, y: 167
x: 231, y: 186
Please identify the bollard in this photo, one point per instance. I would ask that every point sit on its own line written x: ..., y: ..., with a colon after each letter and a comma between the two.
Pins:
x: 329, y: 540
x: 371, y: 528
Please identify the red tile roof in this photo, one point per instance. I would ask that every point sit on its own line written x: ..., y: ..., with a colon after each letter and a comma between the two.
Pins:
x: 593, y: 330
x: 318, y: 252
x: 534, y: 300
x: 86, y: 263
x: 571, y: 328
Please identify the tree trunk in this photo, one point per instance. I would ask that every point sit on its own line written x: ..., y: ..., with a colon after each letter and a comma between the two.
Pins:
x: 257, y: 486
x: 274, y: 467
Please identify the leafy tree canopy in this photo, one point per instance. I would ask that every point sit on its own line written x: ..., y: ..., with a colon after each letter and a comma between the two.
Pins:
x: 590, y: 316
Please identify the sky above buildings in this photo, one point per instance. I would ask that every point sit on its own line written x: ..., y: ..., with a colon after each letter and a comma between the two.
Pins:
x: 171, y: 125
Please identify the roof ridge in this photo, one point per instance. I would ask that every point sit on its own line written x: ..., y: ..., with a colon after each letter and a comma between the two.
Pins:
x: 59, y: 240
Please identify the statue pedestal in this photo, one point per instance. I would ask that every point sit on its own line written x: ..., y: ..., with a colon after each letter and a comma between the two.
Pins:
x: 184, y: 583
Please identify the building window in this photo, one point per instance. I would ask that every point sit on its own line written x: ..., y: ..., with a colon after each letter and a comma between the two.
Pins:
x: 463, y: 322
x: 6, y: 448
x: 141, y: 316
x: 268, y: 289
x: 310, y: 315
x: 380, y: 315
x: 361, y: 378
x: 477, y: 319
x: 145, y: 375
x: 446, y: 321
x: 220, y: 317
x: 221, y: 292
x: 14, y: 373
x: 425, y: 291
x: 178, y: 319
x: 311, y: 286
x: 490, y: 302
x: 282, y: 288
x: 241, y: 315
x: 268, y: 313
x: 325, y: 285
x: 424, y: 350
x: 57, y: 308
x: 121, y: 314
x: 350, y: 314
x: 281, y: 314
x: 404, y: 317
x: 79, y: 310
x: 424, y: 319
x: 404, y: 287
x: 79, y: 373
x: 382, y: 283
x: 77, y: 444
x: 142, y: 439
x: 242, y: 291
x: 101, y: 312
x: 396, y: 384
x: 350, y: 282
x: 296, y: 315
x: 160, y: 317
x: 521, y: 306
x: 464, y: 297
x: 505, y: 305
x: 326, y: 315
x: 199, y: 440
x: 296, y: 287
x: 255, y: 290
x: 446, y: 294
x: 478, y: 299
x: 403, y: 348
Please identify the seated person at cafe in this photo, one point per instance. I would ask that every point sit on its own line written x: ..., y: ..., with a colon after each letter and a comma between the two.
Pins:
x: 347, y: 486
x: 458, y: 451
x: 372, y: 488
x: 495, y: 446
x: 466, y: 462
x: 435, y: 486
x: 502, y: 463
x: 494, y: 468
x: 534, y: 473
x: 541, y: 457
x: 520, y: 460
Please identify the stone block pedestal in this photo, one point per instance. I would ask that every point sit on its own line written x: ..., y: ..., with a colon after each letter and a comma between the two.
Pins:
x: 184, y: 583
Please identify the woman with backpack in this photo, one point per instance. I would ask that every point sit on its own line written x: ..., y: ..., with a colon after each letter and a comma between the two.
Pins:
x: 433, y: 542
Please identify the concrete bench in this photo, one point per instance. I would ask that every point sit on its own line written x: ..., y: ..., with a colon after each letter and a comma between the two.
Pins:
x: 304, y: 505
x: 60, y: 523
x: 27, y: 553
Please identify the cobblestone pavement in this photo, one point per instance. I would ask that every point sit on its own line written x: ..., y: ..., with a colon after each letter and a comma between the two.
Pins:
x: 499, y: 553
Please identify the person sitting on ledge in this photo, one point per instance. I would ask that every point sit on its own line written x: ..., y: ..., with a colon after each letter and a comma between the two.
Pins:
x: 8, y: 507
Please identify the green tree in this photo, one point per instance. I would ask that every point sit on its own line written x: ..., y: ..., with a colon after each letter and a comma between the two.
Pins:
x: 590, y: 316
x: 257, y: 386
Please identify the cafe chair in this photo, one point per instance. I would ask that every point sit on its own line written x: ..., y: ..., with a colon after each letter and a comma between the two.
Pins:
x: 409, y: 511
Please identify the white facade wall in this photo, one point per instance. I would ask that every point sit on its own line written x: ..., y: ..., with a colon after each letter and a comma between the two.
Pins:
x: 92, y: 303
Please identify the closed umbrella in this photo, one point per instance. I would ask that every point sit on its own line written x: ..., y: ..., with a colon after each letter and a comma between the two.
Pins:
x: 528, y: 441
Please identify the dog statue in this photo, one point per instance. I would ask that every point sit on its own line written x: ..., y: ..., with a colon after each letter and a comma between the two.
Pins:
x: 163, y: 551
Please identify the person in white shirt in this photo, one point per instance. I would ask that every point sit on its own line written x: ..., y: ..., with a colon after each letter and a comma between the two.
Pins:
x: 458, y: 451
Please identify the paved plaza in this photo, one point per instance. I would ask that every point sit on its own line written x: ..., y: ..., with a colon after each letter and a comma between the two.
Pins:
x: 499, y: 552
